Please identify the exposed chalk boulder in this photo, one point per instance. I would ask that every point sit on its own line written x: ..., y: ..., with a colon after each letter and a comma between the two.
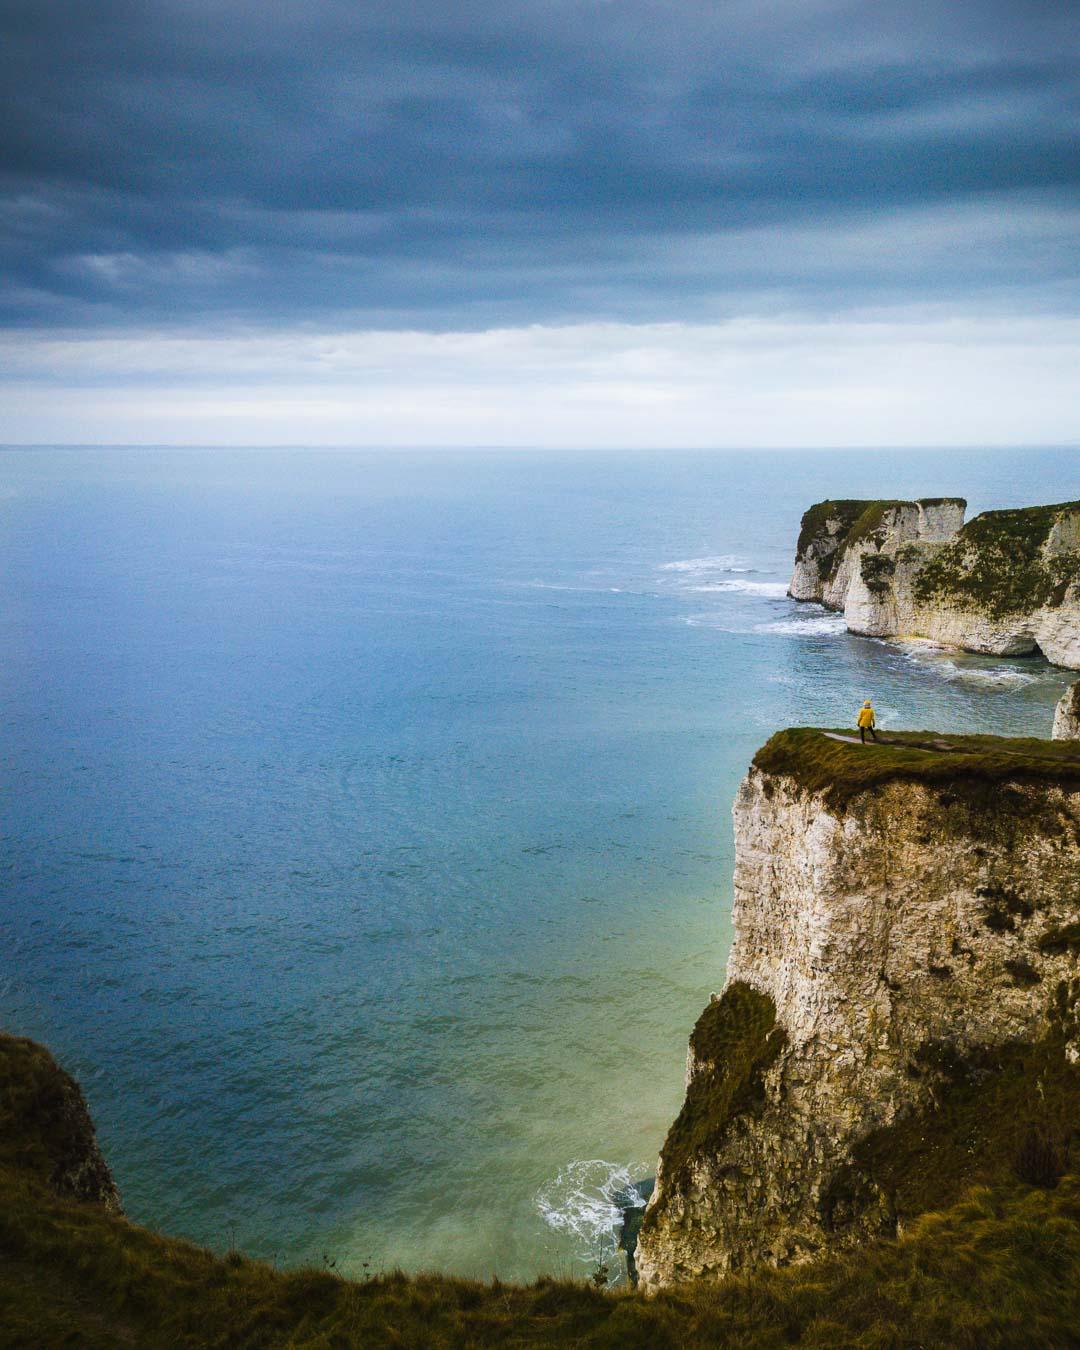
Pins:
x: 1067, y: 715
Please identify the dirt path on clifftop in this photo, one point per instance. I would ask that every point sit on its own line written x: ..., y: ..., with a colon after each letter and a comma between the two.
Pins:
x: 929, y: 747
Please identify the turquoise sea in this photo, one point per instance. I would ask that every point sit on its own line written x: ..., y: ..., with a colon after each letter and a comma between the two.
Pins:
x: 366, y: 817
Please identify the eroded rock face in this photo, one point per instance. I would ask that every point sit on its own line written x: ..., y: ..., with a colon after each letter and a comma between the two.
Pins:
x: 45, y: 1126
x: 916, y: 915
x: 1067, y: 715
x: 836, y: 535
x: 1005, y: 584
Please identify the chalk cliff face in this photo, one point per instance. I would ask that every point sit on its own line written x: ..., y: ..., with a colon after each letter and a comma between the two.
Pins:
x: 1067, y: 715
x: 1005, y: 584
x: 835, y: 535
x: 918, y: 923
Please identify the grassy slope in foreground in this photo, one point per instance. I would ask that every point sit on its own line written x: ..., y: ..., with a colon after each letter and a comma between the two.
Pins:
x: 840, y: 770
x: 999, y: 1268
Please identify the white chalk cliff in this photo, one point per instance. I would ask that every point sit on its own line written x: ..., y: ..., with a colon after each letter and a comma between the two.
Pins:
x: 1006, y: 584
x: 884, y: 932
x: 1067, y: 715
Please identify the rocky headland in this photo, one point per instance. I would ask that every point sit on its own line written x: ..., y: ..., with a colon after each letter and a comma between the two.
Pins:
x: 899, y: 1019
x: 1007, y: 583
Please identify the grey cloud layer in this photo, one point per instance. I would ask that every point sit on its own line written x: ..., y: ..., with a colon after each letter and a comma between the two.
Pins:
x: 457, y: 165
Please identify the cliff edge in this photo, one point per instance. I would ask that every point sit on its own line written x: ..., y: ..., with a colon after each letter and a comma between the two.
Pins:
x: 899, y: 1019
x: 45, y: 1127
x: 1005, y: 584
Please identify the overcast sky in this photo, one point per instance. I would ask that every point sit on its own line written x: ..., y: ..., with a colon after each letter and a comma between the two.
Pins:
x: 596, y: 222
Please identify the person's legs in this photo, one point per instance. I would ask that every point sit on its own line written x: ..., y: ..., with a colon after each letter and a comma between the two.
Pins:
x: 862, y: 735
x: 873, y: 733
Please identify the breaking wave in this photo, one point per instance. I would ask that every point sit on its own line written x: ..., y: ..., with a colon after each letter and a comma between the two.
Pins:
x: 581, y: 1202
x: 948, y: 665
x: 820, y: 625
x: 774, y: 589
x: 721, y: 562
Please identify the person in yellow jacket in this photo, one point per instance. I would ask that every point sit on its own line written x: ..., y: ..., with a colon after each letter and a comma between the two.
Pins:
x: 865, y: 722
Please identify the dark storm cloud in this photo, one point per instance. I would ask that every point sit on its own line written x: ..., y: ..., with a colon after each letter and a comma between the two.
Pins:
x: 210, y: 160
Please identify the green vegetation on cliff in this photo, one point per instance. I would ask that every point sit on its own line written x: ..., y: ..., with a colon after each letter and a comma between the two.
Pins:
x: 45, y: 1129
x: 1002, y: 1114
x: 733, y: 1043
x: 840, y: 770
x: 999, y: 1268
x: 997, y: 564
x: 815, y: 520
x: 858, y: 521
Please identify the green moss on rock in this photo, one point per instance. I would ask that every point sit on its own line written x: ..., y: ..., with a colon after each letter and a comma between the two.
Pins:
x: 815, y: 520
x: 1002, y: 1114
x: 840, y: 771
x: 876, y: 570
x: 997, y: 564
x: 45, y: 1128
x: 734, y: 1041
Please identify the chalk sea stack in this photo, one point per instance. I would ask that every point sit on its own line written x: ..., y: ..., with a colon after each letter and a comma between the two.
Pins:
x: 1005, y: 584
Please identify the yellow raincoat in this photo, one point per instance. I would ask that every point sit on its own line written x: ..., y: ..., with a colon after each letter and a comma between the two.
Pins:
x: 866, y: 716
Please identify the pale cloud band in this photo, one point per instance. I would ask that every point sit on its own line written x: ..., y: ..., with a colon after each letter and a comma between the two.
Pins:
x: 903, y: 379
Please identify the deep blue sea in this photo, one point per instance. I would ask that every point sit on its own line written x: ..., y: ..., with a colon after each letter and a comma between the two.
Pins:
x: 366, y: 817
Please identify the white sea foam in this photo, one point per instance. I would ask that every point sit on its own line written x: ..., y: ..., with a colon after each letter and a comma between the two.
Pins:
x: 722, y: 623
x: 821, y: 625
x: 580, y: 1201
x: 1004, y: 677
x: 776, y: 590
x: 933, y: 658
x: 721, y: 562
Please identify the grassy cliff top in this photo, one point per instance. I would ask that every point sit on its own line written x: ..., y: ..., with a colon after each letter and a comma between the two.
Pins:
x: 858, y: 516
x: 1022, y: 525
x: 841, y: 770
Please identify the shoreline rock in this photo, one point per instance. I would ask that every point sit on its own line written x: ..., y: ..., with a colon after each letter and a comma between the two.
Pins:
x: 1005, y: 584
x: 1067, y: 715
